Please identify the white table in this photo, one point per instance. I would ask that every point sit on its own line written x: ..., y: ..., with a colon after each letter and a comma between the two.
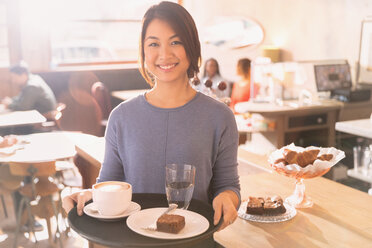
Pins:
x: 41, y: 147
x: 362, y: 128
x: 19, y: 118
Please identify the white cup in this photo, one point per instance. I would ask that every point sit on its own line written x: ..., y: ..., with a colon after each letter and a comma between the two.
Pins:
x: 112, y: 198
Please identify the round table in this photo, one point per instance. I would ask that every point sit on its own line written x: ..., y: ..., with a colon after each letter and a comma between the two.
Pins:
x: 117, y: 233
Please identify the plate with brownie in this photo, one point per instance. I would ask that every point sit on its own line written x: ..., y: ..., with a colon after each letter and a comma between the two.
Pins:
x: 266, y: 209
x: 179, y: 224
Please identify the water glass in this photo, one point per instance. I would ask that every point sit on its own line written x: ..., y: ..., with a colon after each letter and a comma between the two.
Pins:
x: 179, y: 184
x: 366, y: 160
x: 357, y: 152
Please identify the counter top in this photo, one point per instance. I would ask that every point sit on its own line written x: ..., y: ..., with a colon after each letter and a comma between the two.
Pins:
x: 341, y: 216
x: 362, y: 127
x: 286, y: 107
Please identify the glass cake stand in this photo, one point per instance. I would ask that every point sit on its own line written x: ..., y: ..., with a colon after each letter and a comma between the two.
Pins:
x: 299, y: 199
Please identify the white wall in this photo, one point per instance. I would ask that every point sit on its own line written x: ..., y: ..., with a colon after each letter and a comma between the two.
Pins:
x: 304, y: 29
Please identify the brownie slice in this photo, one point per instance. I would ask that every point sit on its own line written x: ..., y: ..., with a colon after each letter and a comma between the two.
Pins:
x: 273, y: 206
x: 255, y: 205
x: 170, y: 223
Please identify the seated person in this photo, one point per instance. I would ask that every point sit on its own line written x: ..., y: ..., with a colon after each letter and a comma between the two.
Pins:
x: 212, y: 72
x: 241, y: 90
x: 34, y: 92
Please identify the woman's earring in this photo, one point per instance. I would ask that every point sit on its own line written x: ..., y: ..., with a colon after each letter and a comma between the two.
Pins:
x: 195, y: 81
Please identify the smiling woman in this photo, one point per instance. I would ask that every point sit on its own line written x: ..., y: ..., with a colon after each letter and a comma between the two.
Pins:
x: 172, y: 123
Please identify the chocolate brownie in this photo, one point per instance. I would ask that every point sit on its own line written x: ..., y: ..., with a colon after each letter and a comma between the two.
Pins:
x: 273, y: 206
x: 265, y: 206
x: 170, y: 223
x: 255, y: 205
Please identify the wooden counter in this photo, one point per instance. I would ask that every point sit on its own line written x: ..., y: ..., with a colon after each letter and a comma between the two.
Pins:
x: 341, y: 216
x: 304, y: 125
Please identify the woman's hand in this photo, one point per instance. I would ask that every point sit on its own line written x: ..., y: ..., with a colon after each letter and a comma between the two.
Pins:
x: 80, y: 198
x: 225, y: 204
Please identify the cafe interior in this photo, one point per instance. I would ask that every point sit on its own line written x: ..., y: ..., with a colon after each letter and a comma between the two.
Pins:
x: 310, y: 86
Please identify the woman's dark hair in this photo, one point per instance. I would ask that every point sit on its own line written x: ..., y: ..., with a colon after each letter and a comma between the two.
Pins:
x: 183, y: 24
x: 19, y: 68
x: 217, y: 66
x: 244, y: 67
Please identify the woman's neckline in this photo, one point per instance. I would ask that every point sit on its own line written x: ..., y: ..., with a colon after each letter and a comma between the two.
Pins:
x: 143, y: 97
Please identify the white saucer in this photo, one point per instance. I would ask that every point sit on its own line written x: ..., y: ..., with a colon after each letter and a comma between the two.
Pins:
x: 91, y: 211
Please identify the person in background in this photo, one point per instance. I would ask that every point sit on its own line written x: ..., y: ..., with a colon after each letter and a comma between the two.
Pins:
x: 34, y: 92
x: 212, y: 72
x: 171, y: 123
x: 241, y: 90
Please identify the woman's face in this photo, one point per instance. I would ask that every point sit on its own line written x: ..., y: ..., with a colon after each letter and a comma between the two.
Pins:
x: 211, y: 68
x: 165, y: 55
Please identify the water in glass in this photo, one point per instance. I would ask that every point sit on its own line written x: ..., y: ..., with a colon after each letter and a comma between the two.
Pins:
x: 180, y: 193
x: 179, y: 184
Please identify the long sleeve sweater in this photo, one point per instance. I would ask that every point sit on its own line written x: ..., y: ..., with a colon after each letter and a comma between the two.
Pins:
x: 141, y: 139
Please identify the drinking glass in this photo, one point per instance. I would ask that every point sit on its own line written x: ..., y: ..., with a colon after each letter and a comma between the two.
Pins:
x: 179, y: 184
x: 366, y: 160
x: 357, y: 152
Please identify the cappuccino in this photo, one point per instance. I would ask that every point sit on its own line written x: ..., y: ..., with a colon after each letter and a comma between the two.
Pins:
x: 112, y: 187
x: 112, y: 197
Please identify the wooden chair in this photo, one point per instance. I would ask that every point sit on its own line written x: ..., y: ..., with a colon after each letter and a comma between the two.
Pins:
x: 102, y: 96
x: 52, y: 118
x: 40, y: 193
x: 82, y: 113
x: 8, y: 184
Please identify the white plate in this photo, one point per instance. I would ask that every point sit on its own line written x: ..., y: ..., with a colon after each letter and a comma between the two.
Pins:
x: 289, y: 214
x: 92, y: 212
x: 195, y: 223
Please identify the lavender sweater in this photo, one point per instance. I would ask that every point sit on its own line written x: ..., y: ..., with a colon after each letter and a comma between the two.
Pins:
x: 141, y: 139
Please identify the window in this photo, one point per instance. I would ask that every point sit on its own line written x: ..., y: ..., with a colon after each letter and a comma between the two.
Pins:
x: 95, y: 31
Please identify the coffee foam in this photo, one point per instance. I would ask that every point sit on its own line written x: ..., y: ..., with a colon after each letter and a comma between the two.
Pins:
x: 112, y: 187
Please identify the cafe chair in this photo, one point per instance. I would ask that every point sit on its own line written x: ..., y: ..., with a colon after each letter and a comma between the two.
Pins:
x: 4, y: 206
x: 52, y: 117
x: 81, y: 114
x: 8, y: 185
x: 102, y: 96
x: 67, y: 176
x: 37, y: 196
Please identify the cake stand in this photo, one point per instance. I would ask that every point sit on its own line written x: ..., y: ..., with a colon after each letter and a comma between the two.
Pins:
x: 299, y: 199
